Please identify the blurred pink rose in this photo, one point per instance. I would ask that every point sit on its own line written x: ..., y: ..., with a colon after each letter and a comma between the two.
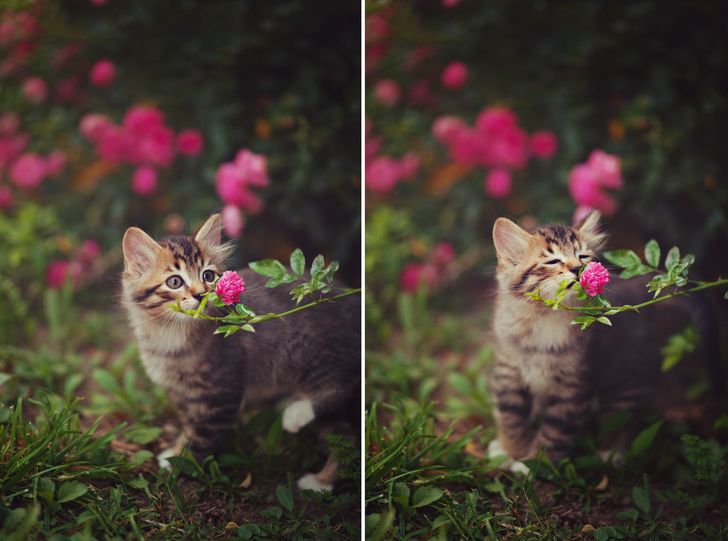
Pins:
x: 233, y: 221
x: 114, y: 144
x: 141, y: 118
x: 253, y: 167
x: 419, y: 93
x: 67, y: 90
x: 102, y: 73
x: 6, y: 198
x: 544, y: 144
x: 10, y: 147
x: 498, y: 183
x: 372, y: 146
x: 89, y: 251
x: 607, y: 167
x: 190, y: 142
x: 93, y: 125
x: 55, y: 163
x: 233, y: 188
x: 9, y: 123
x: 468, y: 146
x: 60, y: 271
x: 28, y: 171
x: 144, y: 181
x: 509, y: 148
x: 455, y: 75
x: 155, y: 145
x: 387, y: 92
x: 35, y: 89
x: 416, y: 275
x: 16, y: 26
x: 409, y: 164
x: 382, y: 174
x: 586, y: 189
x: 580, y: 213
x: 377, y: 27
x: 443, y: 254
x: 493, y: 121
x: 445, y: 128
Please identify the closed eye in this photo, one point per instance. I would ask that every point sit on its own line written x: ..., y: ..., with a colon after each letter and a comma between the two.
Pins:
x: 552, y: 262
x: 584, y: 256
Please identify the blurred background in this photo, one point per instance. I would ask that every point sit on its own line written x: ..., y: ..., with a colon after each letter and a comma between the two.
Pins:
x: 158, y: 114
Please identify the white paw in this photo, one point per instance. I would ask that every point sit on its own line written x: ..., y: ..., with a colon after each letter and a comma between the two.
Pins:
x: 309, y: 482
x: 520, y: 468
x: 163, y: 456
x: 297, y: 415
x: 495, y: 450
x: 612, y: 456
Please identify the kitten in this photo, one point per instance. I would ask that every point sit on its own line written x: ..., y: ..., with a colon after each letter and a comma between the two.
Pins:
x: 310, y: 358
x: 548, y: 374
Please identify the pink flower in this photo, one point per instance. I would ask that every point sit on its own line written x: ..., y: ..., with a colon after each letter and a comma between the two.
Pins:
x: 494, y: 120
x: 102, y: 74
x: 6, y: 198
x: 443, y: 254
x: 10, y: 147
x: 142, y: 118
x: 229, y: 287
x: 234, y: 190
x: 508, y: 148
x: 580, y: 213
x: 93, y: 125
x: 377, y: 27
x: 35, y: 89
x: 60, y: 271
x: 154, y: 146
x: 468, y: 146
x: 498, y: 183
x: 55, y: 163
x: 144, y: 181
x: 593, y: 279
x: 67, y: 90
x: 387, y: 92
x: 9, y: 123
x: 409, y: 164
x: 544, y: 144
x: 89, y: 251
x: 445, y: 128
x: 372, y: 146
x: 253, y: 167
x: 607, y: 167
x: 114, y: 144
x: 416, y: 275
x: 454, y: 76
x: 586, y: 189
x: 233, y: 221
x: 28, y: 171
x: 190, y: 142
x: 382, y: 174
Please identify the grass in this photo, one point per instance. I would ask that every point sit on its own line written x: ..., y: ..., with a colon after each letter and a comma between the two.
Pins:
x: 79, y: 427
x: 428, y: 477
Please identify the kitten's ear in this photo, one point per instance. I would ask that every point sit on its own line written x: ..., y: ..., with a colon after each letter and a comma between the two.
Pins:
x: 511, y: 242
x: 590, y: 231
x: 140, y: 251
x: 210, y: 233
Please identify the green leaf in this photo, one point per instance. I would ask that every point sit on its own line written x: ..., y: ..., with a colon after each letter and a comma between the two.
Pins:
x: 672, y: 257
x: 461, y: 383
x: 227, y: 330
x: 636, y: 270
x: 317, y: 265
x: 677, y: 346
x: 271, y: 268
x: 106, y: 380
x: 641, y: 499
x: 644, y: 440
x: 652, y: 253
x: 248, y: 328
x: 401, y: 495
x: 243, y: 310
x: 285, y: 497
x: 725, y: 295
x: 630, y: 514
x: 71, y: 491
x: 425, y: 496
x: 298, y: 262
x: 142, y: 434
x: 623, y: 258
x: 604, y: 321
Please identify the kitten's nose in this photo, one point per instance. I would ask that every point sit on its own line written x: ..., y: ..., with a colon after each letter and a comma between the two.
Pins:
x: 575, y: 270
x: 198, y: 296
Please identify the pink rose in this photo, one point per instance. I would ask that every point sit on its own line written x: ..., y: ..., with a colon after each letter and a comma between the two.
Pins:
x: 35, y: 89
x: 6, y: 198
x: 586, y: 189
x: 468, y: 146
x: 593, y: 279
x: 443, y: 254
x: 190, y: 142
x: 387, y: 92
x: 9, y: 123
x: 493, y: 121
x: 154, y: 146
x: 253, y: 167
x: 445, y: 128
x: 607, y: 168
x: 372, y: 146
x: 498, y: 183
x: 102, y: 74
x: 10, y: 147
x: 454, y: 76
x: 544, y: 144
x: 55, y: 163
x: 28, y: 171
x: 229, y: 287
x: 141, y: 118
x: 93, y: 125
x: 382, y: 174
x: 233, y: 221
x: 60, y: 271
x: 580, y: 213
x: 89, y: 251
x: 67, y: 90
x: 416, y: 275
x: 509, y: 148
x: 114, y: 144
x: 144, y: 181
x: 409, y: 164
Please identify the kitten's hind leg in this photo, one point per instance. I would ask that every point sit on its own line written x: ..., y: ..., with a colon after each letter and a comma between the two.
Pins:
x: 297, y: 415
x: 323, y: 480
x: 175, y: 450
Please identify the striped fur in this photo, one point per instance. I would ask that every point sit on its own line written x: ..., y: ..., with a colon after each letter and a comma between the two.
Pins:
x: 312, y: 356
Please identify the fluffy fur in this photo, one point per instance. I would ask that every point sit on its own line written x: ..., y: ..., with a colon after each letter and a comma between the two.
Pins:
x: 310, y: 358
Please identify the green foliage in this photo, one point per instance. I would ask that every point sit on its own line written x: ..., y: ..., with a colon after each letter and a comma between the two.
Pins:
x: 706, y: 458
x: 679, y: 345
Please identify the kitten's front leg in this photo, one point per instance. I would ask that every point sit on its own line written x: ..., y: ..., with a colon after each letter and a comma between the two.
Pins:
x: 564, y: 416
x: 512, y: 414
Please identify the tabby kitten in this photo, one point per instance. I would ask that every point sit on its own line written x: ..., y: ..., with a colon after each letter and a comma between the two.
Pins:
x: 549, y: 375
x: 310, y: 358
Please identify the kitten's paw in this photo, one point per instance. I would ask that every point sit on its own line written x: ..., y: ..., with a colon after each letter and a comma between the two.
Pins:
x: 612, y: 456
x: 520, y: 468
x: 297, y: 415
x: 162, y: 457
x: 495, y: 450
x: 310, y: 482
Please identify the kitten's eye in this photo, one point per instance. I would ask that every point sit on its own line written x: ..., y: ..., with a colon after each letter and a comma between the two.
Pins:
x: 208, y: 276
x: 175, y: 282
x: 584, y: 256
x: 553, y: 261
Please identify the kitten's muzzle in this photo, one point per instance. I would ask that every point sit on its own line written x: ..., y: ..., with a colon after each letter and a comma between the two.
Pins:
x: 198, y: 296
